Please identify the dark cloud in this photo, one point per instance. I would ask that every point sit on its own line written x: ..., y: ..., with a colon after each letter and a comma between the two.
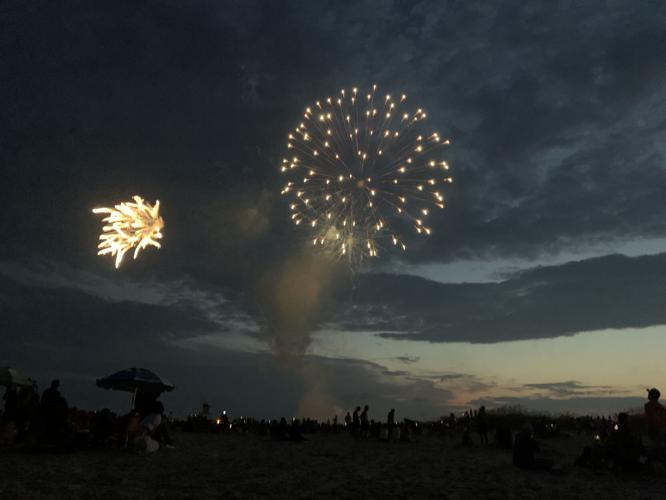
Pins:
x: 573, y: 388
x: 606, y: 292
x: 550, y: 106
x: 448, y: 376
x: 396, y: 373
x: 69, y: 316
x: 408, y: 359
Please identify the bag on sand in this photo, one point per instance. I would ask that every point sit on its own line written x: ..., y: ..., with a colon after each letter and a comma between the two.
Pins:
x: 146, y: 444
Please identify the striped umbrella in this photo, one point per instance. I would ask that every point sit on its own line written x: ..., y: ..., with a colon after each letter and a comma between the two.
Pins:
x: 135, y: 380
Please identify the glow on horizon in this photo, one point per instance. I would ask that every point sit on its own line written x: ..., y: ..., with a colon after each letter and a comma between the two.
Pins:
x: 627, y: 360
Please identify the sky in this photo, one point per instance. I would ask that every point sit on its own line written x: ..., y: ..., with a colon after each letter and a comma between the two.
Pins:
x: 541, y: 287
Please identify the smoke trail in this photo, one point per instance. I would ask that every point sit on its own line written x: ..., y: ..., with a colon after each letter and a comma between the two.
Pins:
x: 293, y: 298
x: 316, y: 401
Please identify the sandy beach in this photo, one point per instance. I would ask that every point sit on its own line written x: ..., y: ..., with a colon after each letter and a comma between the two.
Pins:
x: 325, y: 466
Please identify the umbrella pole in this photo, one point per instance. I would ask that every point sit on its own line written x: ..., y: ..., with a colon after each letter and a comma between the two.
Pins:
x: 133, y: 400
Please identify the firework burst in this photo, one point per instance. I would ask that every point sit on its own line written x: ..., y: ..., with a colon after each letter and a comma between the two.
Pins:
x: 130, y: 225
x: 362, y: 173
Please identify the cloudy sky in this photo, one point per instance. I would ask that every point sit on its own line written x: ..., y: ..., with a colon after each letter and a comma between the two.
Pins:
x: 543, y: 284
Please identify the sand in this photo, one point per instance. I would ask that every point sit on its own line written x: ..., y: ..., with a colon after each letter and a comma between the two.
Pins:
x: 206, y: 466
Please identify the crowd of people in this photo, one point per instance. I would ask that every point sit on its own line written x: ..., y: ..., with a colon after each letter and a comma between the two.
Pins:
x: 361, y: 426
x: 50, y: 423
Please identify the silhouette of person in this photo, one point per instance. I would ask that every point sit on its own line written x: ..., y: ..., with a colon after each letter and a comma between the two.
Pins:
x: 623, y: 447
x: 102, y: 426
x: 525, y: 449
x: 145, y: 402
x: 11, y: 404
x: 348, y: 421
x: 655, y: 415
x: 482, y: 425
x: 356, y: 422
x: 296, y: 431
x: 466, y: 424
x: 54, y: 411
x: 365, y: 423
x: 390, y: 422
x: 283, y: 428
x: 28, y: 406
x: 156, y: 424
x: 51, y: 395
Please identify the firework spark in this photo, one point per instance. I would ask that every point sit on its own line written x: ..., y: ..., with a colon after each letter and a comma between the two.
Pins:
x: 362, y: 172
x: 130, y: 225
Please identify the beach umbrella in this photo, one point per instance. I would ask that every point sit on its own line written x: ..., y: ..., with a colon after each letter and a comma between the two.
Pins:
x: 135, y: 380
x: 11, y: 376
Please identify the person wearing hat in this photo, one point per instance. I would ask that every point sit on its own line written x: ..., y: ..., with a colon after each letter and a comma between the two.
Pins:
x: 655, y: 415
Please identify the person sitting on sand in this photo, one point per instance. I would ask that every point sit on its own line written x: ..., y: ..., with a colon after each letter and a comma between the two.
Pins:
x: 102, y: 427
x: 54, y: 411
x: 11, y: 404
x: 152, y: 421
x: 407, y: 432
x: 28, y: 406
x: 623, y: 449
x: 152, y: 431
x: 655, y: 415
x: 155, y: 425
x: 525, y: 449
x: 130, y: 427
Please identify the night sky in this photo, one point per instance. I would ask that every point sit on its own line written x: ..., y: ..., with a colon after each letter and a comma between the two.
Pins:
x: 543, y: 284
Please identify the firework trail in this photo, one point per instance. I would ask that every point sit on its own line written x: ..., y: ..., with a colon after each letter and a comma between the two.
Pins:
x: 362, y: 172
x: 130, y: 225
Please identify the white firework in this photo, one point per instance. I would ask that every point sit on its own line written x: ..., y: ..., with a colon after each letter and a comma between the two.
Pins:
x: 130, y: 225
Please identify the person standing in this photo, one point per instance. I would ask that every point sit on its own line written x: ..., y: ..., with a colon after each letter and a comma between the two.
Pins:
x: 356, y: 423
x: 54, y: 411
x: 365, y: 423
x: 655, y: 416
x: 51, y: 395
x: 390, y: 423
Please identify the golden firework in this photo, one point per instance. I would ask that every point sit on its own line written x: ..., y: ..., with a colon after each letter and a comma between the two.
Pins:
x: 361, y: 171
x: 130, y: 225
